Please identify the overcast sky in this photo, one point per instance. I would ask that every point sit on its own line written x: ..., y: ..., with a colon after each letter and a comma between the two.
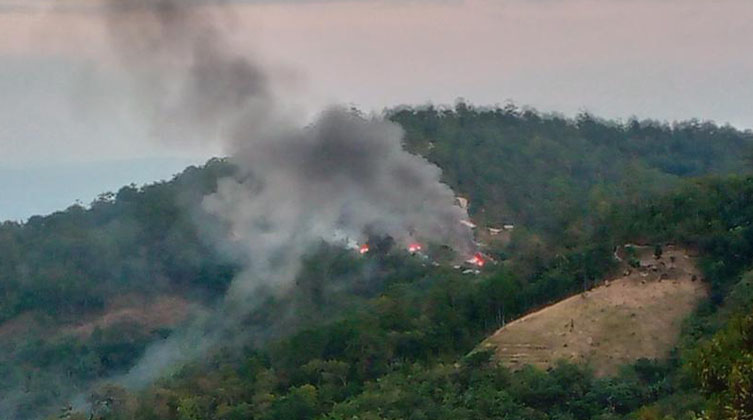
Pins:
x: 662, y: 59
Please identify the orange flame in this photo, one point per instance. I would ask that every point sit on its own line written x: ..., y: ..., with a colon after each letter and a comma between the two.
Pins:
x: 478, y: 260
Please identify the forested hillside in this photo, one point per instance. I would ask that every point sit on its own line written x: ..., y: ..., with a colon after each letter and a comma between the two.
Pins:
x: 140, y: 239
x: 405, y: 354
x: 547, y: 171
x: 386, y: 335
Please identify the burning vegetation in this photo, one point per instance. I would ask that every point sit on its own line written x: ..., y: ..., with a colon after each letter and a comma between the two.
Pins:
x: 476, y: 260
x: 298, y: 183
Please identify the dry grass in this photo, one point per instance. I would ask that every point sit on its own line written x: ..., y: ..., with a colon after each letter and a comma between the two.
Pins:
x: 148, y: 313
x: 638, y: 315
x: 164, y: 311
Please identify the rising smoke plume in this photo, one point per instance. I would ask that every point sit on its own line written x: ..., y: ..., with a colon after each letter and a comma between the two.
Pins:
x: 342, y: 176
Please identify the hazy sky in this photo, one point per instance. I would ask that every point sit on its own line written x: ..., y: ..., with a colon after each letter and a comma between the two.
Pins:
x: 664, y: 59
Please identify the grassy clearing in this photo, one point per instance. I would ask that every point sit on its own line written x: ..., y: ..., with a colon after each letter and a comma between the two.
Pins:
x: 636, y: 315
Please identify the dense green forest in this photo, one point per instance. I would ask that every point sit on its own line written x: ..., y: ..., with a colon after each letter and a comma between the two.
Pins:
x: 399, y: 345
x: 546, y: 171
x: 408, y: 353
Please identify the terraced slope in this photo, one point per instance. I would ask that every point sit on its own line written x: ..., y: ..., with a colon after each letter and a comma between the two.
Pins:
x: 637, y: 315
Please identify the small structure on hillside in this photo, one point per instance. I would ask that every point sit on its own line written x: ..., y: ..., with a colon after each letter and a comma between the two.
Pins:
x: 468, y: 223
x: 495, y: 231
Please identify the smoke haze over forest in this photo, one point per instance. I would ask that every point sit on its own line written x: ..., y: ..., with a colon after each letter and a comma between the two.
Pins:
x: 294, y: 209
x: 668, y: 60
x: 343, y: 177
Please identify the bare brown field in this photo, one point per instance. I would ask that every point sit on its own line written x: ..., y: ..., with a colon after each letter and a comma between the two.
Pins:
x: 164, y: 311
x: 148, y: 313
x: 637, y: 315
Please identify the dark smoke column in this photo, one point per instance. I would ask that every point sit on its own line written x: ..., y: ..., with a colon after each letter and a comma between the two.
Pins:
x: 343, y: 174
